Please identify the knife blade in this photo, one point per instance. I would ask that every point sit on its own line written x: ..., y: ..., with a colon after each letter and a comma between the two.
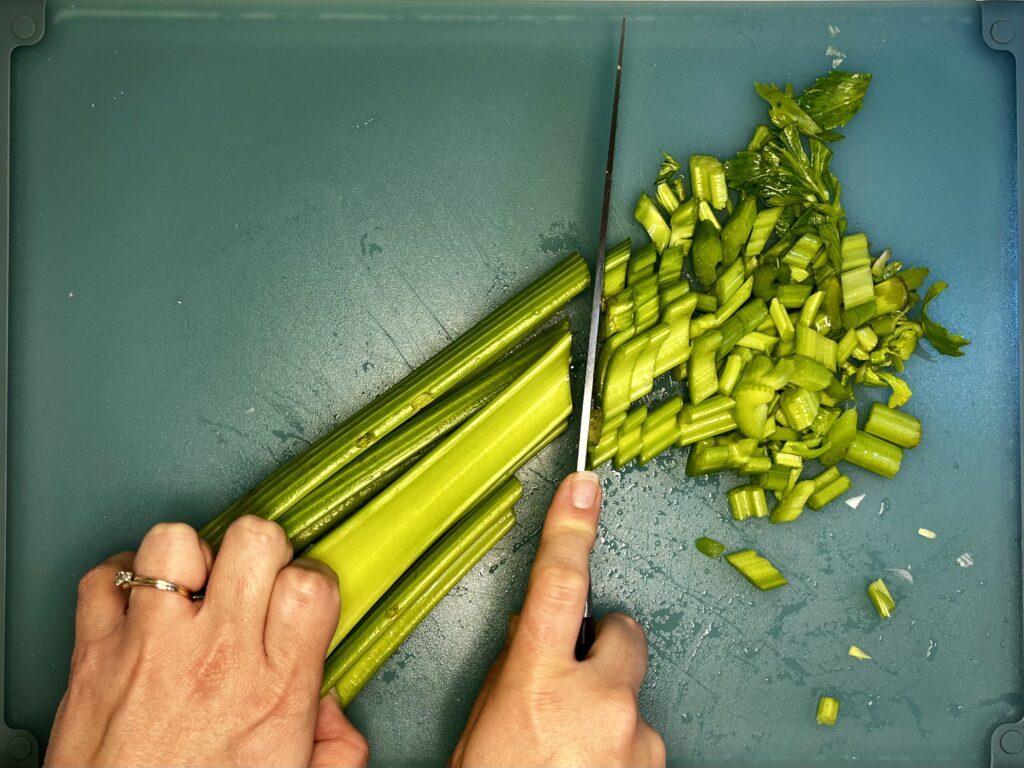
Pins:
x: 586, y: 636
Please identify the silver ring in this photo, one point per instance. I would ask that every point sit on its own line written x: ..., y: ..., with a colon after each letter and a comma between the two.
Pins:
x: 127, y: 580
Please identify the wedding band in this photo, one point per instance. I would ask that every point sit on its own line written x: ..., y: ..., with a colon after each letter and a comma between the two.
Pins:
x: 128, y: 580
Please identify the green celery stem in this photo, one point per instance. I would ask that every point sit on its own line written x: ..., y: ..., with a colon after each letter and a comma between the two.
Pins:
x: 355, y: 660
x: 472, y: 352
x: 894, y: 426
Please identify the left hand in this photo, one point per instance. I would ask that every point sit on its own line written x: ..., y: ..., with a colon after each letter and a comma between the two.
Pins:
x: 159, y: 680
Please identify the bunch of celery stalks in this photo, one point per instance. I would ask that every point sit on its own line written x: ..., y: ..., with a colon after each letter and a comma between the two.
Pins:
x: 756, y: 306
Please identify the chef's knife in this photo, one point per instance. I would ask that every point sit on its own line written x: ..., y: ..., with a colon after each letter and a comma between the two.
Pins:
x: 586, y: 636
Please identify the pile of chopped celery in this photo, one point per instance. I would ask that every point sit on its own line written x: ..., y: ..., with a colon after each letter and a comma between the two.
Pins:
x: 766, y: 311
x: 409, y: 493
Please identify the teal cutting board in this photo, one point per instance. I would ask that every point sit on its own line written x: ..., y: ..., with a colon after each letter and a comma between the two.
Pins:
x: 235, y: 222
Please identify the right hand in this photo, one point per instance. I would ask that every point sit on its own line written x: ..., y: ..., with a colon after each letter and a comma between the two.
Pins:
x: 541, y: 707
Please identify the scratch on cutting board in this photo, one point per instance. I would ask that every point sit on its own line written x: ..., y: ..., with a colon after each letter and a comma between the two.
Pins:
x: 426, y: 306
x: 392, y: 340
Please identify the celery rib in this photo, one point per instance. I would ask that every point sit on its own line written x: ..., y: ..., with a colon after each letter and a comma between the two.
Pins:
x: 482, y: 345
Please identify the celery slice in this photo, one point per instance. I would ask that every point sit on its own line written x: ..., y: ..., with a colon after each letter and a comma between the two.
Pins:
x: 660, y: 429
x: 372, y: 549
x: 874, y: 454
x: 738, y: 228
x: 702, y: 378
x: 706, y: 253
x: 707, y: 180
x: 647, y: 213
x: 880, y: 597
x: 378, y: 636
x: 756, y: 569
x: 896, y: 427
x: 828, y: 711
x: 791, y: 505
x: 748, y: 501
x: 709, y: 547
x: 615, y: 265
x: 839, y: 437
x: 857, y: 653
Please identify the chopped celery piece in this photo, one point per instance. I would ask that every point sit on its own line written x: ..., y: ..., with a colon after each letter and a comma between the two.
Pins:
x: 812, y: 344
x: 670, y: 268
x: 706, y: 253
x: 928, y: 534
x: 764, y: 225
x: 780, y: 318
x: 730, y: 373
x: 617, y: 382
x: 604, y: 451
x: 647, y: 213
x: 660, y: 429
x: 618, y: 313
x: 896, y: 427
x: 875, y: 455
x: 379, y: 635
x: 764, y: 281
x: 879, y: 595
x: 675, y: 349
x: 642, y: 381
x: 824, y: 494
x: 631, y: 441
x: 800, y: 406
x: 707, y: 180
x: 810, y: 374
x: 666, y: 197
x: 729, y: 283
x: 792, y: 296
x: 890, y: 296
x: 829, y: 475
x: 706, y: 458
x: 616, y: 261
x: 702, y: 377
x: 608, y: 351
x: 855, y: 252
x: 370, y: 551
x: 741, y: 322
x: 344, y: 493
x: 791, y: 505
x: 858, y: 288
x: 803, y: 252
x: 456, y: 364
x: 737, y: 229
x: 684, y: 221
x: 706, y: 303
x: 756, y: 465
x: 809, y: 311
x: 709, y: 407
x: 641, y: 265
x: 759, y: 342
x: 709, y: 547
x: 752, y: 408
x: 671, y: 292
x: 791, y: 460
x: 828, y: 711
x: 857, y: 653
x: 748, y: 501
x: 839, y: 437
x: 756, y: 569
x: 710, y: 426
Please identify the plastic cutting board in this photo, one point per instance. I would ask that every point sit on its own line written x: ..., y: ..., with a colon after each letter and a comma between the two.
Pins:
x: 234, y: 222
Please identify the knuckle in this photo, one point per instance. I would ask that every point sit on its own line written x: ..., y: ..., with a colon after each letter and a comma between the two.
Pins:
x: 93, y: 578
x: 632, y: 628
x: 309, y: 587
x: 257, y: 532
x: 561, y: 582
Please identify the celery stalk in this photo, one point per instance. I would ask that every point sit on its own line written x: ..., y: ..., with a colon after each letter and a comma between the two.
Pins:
x: 372, y: 549
x: 874, y: 454
x: 472, y: 352
x: 897, y: 427
x: 335, y: 499
x: 372, y: 642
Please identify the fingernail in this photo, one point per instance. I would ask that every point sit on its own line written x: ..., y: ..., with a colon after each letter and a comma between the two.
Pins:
x: 585, y: 488
x: 333, y: 693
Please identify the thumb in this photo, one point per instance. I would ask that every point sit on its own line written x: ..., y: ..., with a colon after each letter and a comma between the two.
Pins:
x: 555, y: 599
x: 336, y: 742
